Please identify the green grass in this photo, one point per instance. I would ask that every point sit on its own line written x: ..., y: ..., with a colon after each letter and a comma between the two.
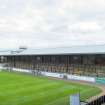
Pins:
x: 22, y: 89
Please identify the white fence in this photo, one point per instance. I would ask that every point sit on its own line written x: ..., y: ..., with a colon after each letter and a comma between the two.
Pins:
x: 22, y: 70
x: 50, y: 74
x: 81, y: 78
x: 58, y: 75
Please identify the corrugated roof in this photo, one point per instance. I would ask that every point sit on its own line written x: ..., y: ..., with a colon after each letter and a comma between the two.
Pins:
x: 89, y: 49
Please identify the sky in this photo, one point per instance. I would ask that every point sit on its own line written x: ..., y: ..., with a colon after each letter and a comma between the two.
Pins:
x: 51, y: 23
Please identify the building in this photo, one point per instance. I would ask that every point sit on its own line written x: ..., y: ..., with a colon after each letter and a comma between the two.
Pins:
x: 78, y: 60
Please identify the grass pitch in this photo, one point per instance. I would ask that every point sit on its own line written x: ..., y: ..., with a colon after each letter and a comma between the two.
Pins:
x: 21, y: 89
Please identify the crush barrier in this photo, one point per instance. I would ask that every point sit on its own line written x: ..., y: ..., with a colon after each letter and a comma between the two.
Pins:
x: 98, y: 101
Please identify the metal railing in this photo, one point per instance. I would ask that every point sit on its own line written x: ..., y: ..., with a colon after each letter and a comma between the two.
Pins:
x: 98, y: 101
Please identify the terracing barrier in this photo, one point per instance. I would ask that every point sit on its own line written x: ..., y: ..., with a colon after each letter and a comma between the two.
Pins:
x: 98, y: 101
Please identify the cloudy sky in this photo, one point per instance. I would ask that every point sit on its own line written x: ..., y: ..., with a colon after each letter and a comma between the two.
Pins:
x: 51, y: 23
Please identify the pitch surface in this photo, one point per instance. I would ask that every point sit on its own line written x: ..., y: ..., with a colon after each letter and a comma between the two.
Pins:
x: 22, y: 89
